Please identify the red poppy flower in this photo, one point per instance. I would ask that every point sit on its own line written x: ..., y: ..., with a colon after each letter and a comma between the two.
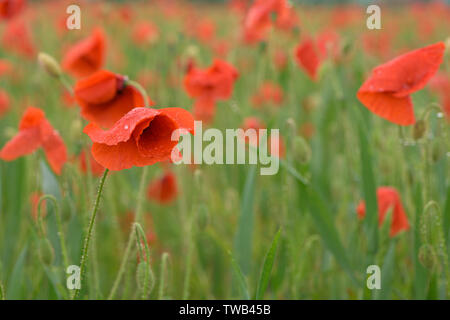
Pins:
x: 388, y: 198
x: 104, y: 97
x: 441, y: 84
x: 145, y: 33
x: 258, y: 20
x: 209, y: 85
x: 387, y: 92
x: 96, y: 168
x: 86, y: 56
x: 252, y: 123
x: 328, y: 44
x: 11, y: 8
x: 4, y: 102
x: 307, y: 57
x: 35, y: 131
x: 140, y: 138
x: 17, y: 38
x: 164, y: 190
x: 269, y: 92
x: 5, y: 67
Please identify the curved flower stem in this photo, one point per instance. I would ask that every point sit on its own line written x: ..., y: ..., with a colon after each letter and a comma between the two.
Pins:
x: 66, y: 84
x: 137, y: 216
x: 62, y: 241
x: 141, y: 91
x: 90, y: 230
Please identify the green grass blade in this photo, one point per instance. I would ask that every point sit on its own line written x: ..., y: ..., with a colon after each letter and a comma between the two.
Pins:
x: 16, y: 280
x: 243, y: 239
x: 240, y: 277
x: 267, y: 267
x: 369, y: 190
x: 387, y: 273
x: 323, y: 221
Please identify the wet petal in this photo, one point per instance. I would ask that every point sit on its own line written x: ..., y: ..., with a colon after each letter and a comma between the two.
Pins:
x: 122, y: 129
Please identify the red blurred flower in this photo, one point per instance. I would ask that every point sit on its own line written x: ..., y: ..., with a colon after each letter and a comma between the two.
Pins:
x: 280, y: 59
x: 17, y: 38
x: 307, y: 57
x: 259, y: 18
x: 105, y: 97
x: 441, y: 84
x: 86, y: 56
x: 209, y: 85
x: 96, y: 168
x: 35, y: 131
x: 141, y: 137
x: 270, y: 93
x: 387, y: 92
x: 252, y: 123
x: 11, y: 8
x: 145, y: 33
x: 5, y: 67
x: 4, y: 102
x: 388, y: 198
x: 164, y: 190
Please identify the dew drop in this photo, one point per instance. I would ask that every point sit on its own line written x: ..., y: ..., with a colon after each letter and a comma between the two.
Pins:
x: 126, y: 127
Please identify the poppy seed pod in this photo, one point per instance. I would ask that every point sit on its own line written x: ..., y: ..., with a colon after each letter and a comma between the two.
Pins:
x: 420, y: 128
x: 49, y: 64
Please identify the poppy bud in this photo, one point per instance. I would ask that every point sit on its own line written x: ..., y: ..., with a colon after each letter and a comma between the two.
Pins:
x: 49, y: 64
x: 437, y: 151
x: 427, y: 256
x: 145, y: 285
x: 46, y: 252
x: 302, y: 150
x: 419, y: 129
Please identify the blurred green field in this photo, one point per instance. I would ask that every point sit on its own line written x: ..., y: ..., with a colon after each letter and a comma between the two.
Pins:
x: 213, y: 241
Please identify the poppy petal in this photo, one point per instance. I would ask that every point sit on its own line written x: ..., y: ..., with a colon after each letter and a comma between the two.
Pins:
x: 407, y: 73
x: 99, y: 88
x: 123, y: 155
x: 107, y: 114
x: 25, y: 142
x: 122, y: 129
x: 182, y: 117
x: 395, y: 109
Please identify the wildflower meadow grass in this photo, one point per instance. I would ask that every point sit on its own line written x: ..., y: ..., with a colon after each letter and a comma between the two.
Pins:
x: 94, y: 206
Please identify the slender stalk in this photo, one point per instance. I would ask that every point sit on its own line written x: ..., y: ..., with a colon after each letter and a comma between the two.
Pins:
x: 90, y: 229
x: 162, y: 275
x: 141, y: 91
x: 137, y: 216
x: 62, y: 241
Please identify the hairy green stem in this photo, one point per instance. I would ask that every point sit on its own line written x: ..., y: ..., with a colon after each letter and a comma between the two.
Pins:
x: 137, y: 216
x: 90, y: 230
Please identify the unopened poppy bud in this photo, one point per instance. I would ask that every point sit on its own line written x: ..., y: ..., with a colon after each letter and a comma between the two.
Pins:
x: 427, y: 256
x: 203, y: 217
x: 419, y: 129
x: 46, y: 252
x: 144, y: 277
x: 447, y: 45
x: 302, y: 150
x: 437, y: 151
x: 49, y: 64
